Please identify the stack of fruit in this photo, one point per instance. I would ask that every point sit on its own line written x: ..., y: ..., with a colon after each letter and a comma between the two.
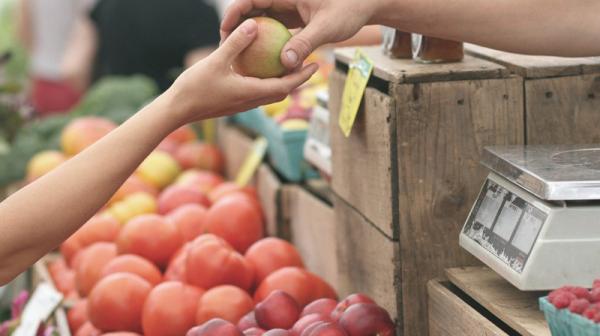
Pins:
x: 572, y: 310
x: 177, y: 246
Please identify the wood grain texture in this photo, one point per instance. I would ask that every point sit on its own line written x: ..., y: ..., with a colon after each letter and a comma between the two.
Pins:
x: 441, y: 131
x: 312, y: 227
x: 449, y: 315
x: 408, y: 71
x: 563, y: 110
x: 520, y: 310
x: 368, y: 261
x: 362, y: 163
x: 268, y: 187
x: 529, y: 66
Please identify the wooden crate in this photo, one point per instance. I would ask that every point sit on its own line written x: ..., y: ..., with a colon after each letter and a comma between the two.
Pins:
x: 367, y: 259
x: 312, y: 230
x: 477, y: 301
x: 562, y: 95
x: 235, y: 144
x: 411, y: 164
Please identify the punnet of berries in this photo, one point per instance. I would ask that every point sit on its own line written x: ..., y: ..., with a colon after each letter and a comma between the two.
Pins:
x: 572, y: 310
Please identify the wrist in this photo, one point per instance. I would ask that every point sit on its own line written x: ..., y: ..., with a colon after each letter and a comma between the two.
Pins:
x: 384, y: 12
x: 164, y: 114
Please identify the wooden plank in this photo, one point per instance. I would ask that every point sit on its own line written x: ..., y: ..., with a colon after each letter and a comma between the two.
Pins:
x: 368, y: 261
x: 235, y: 145
x: 312, y: 226
x: 268, y: 187
x: 441, y: 131
x: 563, y: 110
x: 451, y: 316
x: 518, y: 309
x: 362, y: 163
x: 409, y: 71
x: 531, y: 66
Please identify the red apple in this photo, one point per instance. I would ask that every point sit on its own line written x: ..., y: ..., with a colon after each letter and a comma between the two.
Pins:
x: 349, y: 301
x: 201, y: 156
x: 278, y: 310
x: 328, y: 329
x: 307, y: 321
x: 215, y: 327
x: 367, y: 319
x: 253, y: 332
x: 277, y: 332
x: 247, y: 322
x: 321, y: 306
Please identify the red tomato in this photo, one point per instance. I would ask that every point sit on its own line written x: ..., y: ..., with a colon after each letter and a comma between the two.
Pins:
x: 205, y: 181
x: 302, y: 285
x: 178, y: 195
x: 87, y: 329
x: 211, y: 262
x: 235, y: 219
x: 150, y: 236
x: 77, y: 315
x: 62, y: 276
x: 93, y: 260
x: 102, y: 228
x: 227, y: 188
x: 170, y: 309
x: 176, y: 269
x: 116, y: 303
x: 200, y: 155
x: 130, y: 263
x: 121, y: 333
x: 190, y: 220
x: 182, y: 135
x: 69, y: 248
x: 270, y: 254
x: 227, y: 302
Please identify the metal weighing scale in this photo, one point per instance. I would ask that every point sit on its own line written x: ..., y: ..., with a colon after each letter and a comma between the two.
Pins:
x: 536, y: 221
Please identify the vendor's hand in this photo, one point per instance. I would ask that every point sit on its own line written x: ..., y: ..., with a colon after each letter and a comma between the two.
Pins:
x: 210, y: 88
x: 322, y: 21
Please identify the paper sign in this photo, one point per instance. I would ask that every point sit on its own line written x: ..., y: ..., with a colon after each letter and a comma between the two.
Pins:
x: 44, y: 301
x: 253, y: 160
x: 359, y: 71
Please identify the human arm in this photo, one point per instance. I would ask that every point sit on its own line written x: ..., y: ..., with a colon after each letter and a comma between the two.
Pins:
x: 547, y: 27
x: 80, y: 53
x: 40, y: 216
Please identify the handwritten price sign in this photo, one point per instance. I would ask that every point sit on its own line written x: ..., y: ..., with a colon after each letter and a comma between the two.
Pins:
x: 359, y: 71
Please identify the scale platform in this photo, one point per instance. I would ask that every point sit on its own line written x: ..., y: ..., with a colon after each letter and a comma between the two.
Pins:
x: 536, y: 221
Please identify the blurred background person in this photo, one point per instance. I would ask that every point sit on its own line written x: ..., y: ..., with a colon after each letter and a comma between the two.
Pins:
x: 156, y: 38
x: 44, y: 28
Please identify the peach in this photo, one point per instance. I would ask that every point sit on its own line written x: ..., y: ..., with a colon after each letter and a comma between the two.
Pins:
x: 175, y: 196
x: 130, y: 263
x: 262, y: 58
x: 278, y: 310
x: 132, y: 185
x: 43, y: 162
x: 82, y: 132
x: 132, y: 206
x: 226, y: 302
x: 201, y: 156
x: 93, y: 260
x: 205, y: 181
x: 190, y: 220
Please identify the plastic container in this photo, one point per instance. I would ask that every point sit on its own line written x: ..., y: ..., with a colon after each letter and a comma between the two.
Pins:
x: 564, y: 323
x: 252, y: 119
x: 397, y: 44
x: 429, y: 49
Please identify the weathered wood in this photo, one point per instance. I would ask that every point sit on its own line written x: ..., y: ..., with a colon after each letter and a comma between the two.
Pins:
x: 312, y: 227
x: 563, y: 110
x: 362, y: 163
x: 235, y: 145
x: 530, y: 66
x: 441, y: 131
x: 368, y: 261
x: 518, y: 309
x: 451, y: 316
x: 409, y: 71
x: 268, y: 187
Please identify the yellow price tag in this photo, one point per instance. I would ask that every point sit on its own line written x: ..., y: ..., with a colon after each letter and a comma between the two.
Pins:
x: 209, y: 130
x: 359, y: 71
x: 253, y: 160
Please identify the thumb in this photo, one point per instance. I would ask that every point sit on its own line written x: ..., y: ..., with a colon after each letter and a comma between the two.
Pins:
x: 238, y: 40
x: 303, y: 44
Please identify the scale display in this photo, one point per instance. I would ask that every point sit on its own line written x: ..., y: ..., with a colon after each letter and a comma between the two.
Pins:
x: 505, y: 225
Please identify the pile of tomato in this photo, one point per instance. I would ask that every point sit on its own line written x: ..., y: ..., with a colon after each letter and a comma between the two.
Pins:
x: 179, y: 250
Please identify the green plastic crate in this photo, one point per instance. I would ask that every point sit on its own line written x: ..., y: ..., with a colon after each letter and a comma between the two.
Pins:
x: 564, y: 323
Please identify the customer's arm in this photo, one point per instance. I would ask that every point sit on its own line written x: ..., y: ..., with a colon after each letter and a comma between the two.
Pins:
x: 39, y: 217
x: 550, y: 27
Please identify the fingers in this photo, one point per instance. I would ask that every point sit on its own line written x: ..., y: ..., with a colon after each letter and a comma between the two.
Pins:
x: 237, y: 41
x: 237, y: 11
x: 303, y: 43
x: 280, y: 86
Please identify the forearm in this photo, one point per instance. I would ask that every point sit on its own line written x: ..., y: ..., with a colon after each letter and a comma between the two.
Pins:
x: 547, y: 27
x: 39, y: 217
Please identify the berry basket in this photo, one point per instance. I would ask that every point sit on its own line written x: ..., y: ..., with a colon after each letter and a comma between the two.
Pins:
x: 564, y: 323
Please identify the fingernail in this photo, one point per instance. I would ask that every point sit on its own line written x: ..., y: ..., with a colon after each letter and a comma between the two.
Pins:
x: 248, y: 27
x: 291, y: 56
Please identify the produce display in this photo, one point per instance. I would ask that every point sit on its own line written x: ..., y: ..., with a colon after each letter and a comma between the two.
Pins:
x: 578, y: 300
x: 178, y: 250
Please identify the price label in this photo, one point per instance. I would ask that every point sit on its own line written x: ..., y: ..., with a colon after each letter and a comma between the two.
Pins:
x: 253, y: 160
x: 44, y: 301
x: 359, y: 71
